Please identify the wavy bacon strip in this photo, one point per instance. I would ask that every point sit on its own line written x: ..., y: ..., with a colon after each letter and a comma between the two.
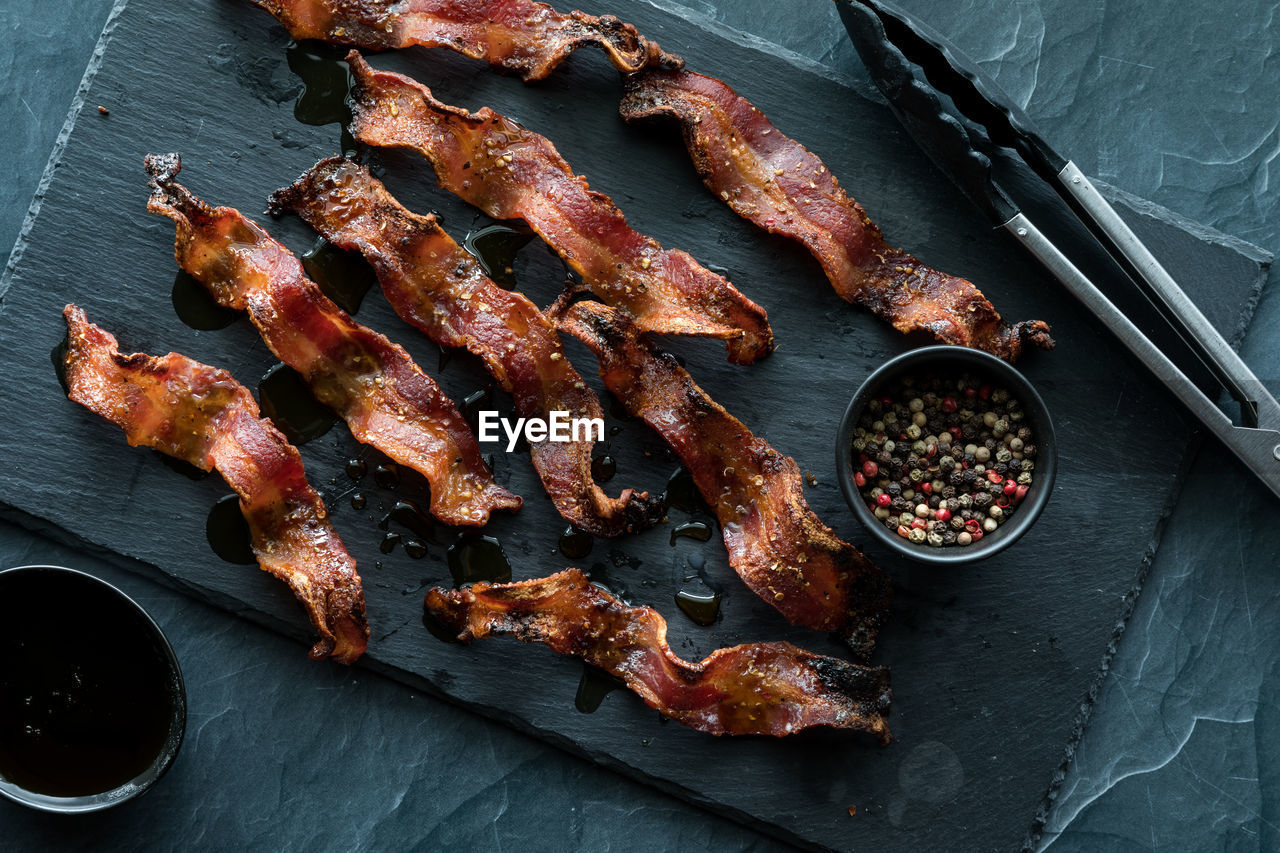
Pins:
x: 201, y: 415
x: 437, y: 286
x: 528, y: 38
x: 512, y: 173
x: 776, y: 183
x: 776, y: 544
x: 385, y: 398
x: 754, y: 689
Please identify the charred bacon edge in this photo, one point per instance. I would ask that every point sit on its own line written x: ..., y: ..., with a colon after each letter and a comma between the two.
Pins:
x: 510, y: 172
x: 514, y: 35
x: 400, y: 393
x: 201, y: 415
x: 776, y: 544
x: 775, y: 182
x: 752, y: 689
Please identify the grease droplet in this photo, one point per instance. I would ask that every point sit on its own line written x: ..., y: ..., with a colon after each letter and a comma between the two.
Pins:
x: 603, y: 468
x: 410, y: 515
x: 574, y: 543
x: 326, y: 81
x: 285, y: 398
x: 682, y: 493
x: 228, y: 532
x: 345, y: 277
x: 196, y: 307
x: 474, y: 557
x: 473, y: 404
x: 691, y: 530
x: 593, y: 687
x: 700, y: 603
x: 387, y: 475
x: 495, y: 247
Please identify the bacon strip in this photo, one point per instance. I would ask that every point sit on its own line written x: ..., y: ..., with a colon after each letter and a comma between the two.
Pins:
x: 512, y: 173
x: 437, y: 286
x: 754, y: 689
x: 528, y: 38
x: 776, y: 544
x: 201, y: 415
x: 776, y: 183
x: 385, y: 398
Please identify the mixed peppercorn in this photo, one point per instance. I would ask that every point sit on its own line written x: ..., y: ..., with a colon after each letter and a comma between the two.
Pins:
x: 943, y: 462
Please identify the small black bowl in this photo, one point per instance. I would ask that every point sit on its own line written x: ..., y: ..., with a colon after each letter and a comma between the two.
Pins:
x: 92, y: 704
x: 947, y: 360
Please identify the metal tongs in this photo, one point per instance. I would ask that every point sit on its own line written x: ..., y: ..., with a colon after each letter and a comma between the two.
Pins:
x: 911, y: 64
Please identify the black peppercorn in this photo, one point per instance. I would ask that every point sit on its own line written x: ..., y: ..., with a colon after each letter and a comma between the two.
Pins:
x: 917, y: 433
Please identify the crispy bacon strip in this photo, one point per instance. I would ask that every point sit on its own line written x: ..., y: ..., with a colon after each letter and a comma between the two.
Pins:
x: 754, y: 689
x: 437, y: 286
x: 528, y: 38
x: 776, y: 544
x: 512, y: 173
x: 201, y: 415
x: 385, y: 398
x: 776, y: 183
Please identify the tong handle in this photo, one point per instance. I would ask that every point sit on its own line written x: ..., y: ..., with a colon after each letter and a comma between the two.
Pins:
x: 1257, y: 405
x: 1259, y: 449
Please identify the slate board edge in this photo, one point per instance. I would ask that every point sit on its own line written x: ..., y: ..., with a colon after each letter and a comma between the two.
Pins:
x: 299, y: 629
x: 1139, y: 205
x: 1152, y: 210
x: 55, y: 155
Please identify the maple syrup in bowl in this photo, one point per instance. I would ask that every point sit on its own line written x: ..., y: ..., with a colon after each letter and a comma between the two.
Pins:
x: 92, y: 703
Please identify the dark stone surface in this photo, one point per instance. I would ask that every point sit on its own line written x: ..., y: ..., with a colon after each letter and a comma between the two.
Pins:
x: 42, y: 58
x: 1119, y: 803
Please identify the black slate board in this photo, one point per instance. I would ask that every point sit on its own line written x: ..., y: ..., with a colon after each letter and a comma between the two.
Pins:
x: 990, y: 663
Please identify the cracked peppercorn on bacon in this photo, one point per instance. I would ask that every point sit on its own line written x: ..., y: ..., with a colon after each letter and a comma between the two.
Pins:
x: 203, y: 416
x: 438, y: 287
x: 528, y: 38
x: 773, y: 181
x: 510, y: 172
x: 386, y: 399
x: 753, y: 689
x: 776, y: 544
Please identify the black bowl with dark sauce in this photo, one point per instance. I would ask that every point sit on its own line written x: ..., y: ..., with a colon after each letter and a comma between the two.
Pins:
x: 92, y: 703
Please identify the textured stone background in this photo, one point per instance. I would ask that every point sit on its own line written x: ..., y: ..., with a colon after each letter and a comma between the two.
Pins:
x: 1176, y: 104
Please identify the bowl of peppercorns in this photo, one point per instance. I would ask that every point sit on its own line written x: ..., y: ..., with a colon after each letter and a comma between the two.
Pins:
x: 946, y: 454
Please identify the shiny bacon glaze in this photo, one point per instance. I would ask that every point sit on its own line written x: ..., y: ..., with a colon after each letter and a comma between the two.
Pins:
x: 435, y: 285
x: 201, y: 415
x: 754, y: 689
x: 783, y: 552
x: 510, y: 172
x: 385, y: 398
x: 528, y: 38
x: 776, y: 183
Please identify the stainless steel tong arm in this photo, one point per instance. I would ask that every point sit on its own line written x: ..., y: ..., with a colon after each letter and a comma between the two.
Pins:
x: 1257, y: 448
x: 1228, y: 367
